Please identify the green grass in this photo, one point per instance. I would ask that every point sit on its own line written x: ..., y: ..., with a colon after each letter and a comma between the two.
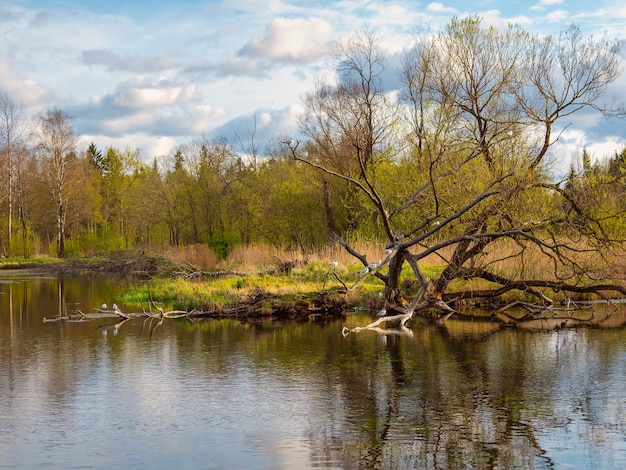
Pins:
x: 210, y: 293
x: 17, y: 263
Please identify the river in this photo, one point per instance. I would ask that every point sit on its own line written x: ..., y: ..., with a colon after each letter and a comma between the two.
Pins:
x: 225, y: 395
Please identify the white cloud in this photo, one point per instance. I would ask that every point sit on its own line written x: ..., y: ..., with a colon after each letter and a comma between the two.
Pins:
x: 150, y: 146
x: 148, y: 93
x: 23, y: 91
x: 384, y: 15
x: 125, y: 124
x: 608, y: 19
x: 439, y: 8
x: 263, y: 123
x: 291, y: 40
x: 137, y: 69
x: 605, y: 148
x: 568, y: 149
x: 239, y: 66
x: 179, y: 120
x: 494, y: 18
x: 557, y: 16
x: 543, y: 4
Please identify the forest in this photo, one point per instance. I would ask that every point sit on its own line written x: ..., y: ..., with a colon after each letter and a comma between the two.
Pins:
x: 455, y: 163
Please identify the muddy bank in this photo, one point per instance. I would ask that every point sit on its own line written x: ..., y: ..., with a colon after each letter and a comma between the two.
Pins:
x: 142, y: 266
x: 265, y: 306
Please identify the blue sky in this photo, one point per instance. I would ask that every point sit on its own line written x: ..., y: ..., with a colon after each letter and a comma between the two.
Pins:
x: 153, y: 74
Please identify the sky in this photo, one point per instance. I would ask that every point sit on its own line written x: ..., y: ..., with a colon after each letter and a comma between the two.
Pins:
x: 155, y: 74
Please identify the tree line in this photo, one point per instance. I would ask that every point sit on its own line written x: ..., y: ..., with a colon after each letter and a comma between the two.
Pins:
x: 455, y: 161
x: 60, y: 201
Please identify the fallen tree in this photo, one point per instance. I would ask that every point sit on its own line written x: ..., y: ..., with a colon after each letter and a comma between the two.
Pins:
x: 456, y: 166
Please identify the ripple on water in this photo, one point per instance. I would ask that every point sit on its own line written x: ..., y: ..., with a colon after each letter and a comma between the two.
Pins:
x: 221, y: 395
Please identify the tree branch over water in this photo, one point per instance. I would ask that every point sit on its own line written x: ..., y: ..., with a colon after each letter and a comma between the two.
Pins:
x: 468, y: 141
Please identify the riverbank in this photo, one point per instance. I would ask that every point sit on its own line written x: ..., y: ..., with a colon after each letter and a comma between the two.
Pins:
x: 295, y: 289
x: 121, y: 263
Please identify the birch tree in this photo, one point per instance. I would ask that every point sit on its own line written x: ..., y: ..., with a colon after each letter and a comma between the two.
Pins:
x: 13, y: 135
x: 56, y: 147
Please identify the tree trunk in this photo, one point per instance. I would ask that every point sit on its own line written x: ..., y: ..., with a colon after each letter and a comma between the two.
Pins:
x: 392, y: 285
x: 61, y: 230
x: 10, y: 206
x: 328, y: 208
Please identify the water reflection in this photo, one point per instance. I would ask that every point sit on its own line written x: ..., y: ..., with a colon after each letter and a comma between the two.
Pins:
x: 219, y: 394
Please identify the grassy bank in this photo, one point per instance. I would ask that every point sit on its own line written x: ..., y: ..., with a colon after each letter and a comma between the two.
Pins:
x: 192, y: 278
x: 314, y: 276
x: 27, y: 263
x: 257, y: 268
x: 303, y: 282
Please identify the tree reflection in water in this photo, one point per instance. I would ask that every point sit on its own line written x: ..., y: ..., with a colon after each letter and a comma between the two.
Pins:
x: 475, y: 396
x: 466, y: 394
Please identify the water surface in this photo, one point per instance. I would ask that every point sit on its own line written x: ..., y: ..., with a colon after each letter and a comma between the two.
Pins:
x: 220, y: 394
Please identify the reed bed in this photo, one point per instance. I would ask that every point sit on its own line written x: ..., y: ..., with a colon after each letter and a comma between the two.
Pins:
x: 313, y: 271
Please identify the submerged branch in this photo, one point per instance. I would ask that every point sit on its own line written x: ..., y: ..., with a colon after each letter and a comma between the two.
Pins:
x: 400, y: 321
x: 408, y: 313
x: 528, y: 285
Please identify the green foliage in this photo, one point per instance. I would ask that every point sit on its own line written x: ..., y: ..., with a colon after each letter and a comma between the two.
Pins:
x: 595, y: 200
x: 96, y: 159
x: 472, y: 101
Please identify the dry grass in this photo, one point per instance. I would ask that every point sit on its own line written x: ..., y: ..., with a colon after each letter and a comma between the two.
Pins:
x: 258, y: 256
x: 534, y: 264
x: 501, y: 257
x: 198, y: 255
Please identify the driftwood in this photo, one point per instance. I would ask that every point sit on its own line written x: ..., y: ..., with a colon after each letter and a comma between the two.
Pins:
x: 400, y: 320
x: 406, y: 313
x: 258, y: 304
x: 553, y: 315
x: 114, y: 313
x: 80, y: 316
x: 75, y: 317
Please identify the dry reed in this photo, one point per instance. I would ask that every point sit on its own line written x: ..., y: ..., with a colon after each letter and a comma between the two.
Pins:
x: 197, y: 255
x: 501, y: 257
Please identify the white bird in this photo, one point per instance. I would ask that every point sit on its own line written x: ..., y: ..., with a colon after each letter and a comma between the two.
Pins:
x: 382, y: 312
x: 289, y: 142
x: 387, y: 251
x: 436, y: 223
x: 510, y: 133
x: 365, y: 270
x: 305, y: 154
x: 104, y: 306
x: 115, y: 307
x: 373, y: 265
x: 334, y: 264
